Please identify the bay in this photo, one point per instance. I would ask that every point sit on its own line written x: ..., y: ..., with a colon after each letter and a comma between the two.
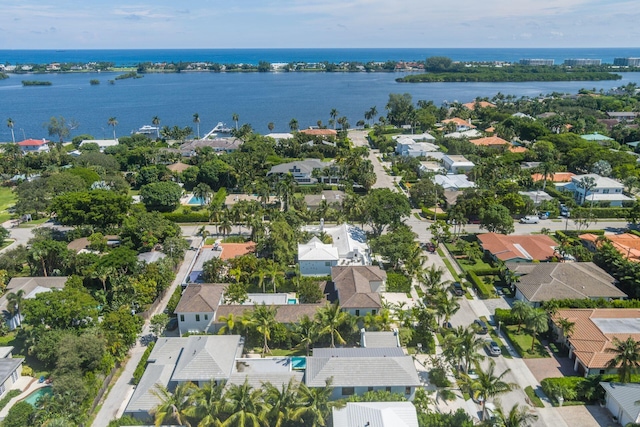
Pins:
x: 258, y: 98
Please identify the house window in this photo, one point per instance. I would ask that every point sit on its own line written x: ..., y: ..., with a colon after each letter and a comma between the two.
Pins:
x: 182, y: 317
x: 388, y: 389
x: 197, y: 317
x: 357, y: 312
x: 14, y: 376
x: 327, y: 263
x: 206, y: 317
x: 369, y: 388
x: 407, y: 390
x: 605, y: 191
x: 374, y: 311
x: 601, y: 371
x: 348, y: 391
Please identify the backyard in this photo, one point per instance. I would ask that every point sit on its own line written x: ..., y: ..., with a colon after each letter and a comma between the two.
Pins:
x: 7, y: 199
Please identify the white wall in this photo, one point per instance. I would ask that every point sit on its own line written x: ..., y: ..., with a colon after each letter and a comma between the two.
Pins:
x: 316, y: 268
x: 190, y: 324
x: 359, y: 391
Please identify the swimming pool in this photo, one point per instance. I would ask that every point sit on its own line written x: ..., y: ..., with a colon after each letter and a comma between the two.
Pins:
x: 32, y: 399
x: 196, y: 201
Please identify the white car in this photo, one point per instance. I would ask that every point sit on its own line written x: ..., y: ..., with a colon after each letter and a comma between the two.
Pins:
x: 529, y: 219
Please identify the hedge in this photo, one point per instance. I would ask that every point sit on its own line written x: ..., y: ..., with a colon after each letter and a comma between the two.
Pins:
x: 576, y: 233
x: 591, y: 303
x: 398, y: 282
x: 601, y: 212
x: 187, y: 217
x: 504, y: 315
x: 142, y: 364
x: 634, y: 232
x: 484, y: 291
x: 8, y: 397
x: 486, y: 271
x: 428, y: 214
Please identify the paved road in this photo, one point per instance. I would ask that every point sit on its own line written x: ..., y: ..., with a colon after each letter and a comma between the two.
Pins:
x: 116, y: 401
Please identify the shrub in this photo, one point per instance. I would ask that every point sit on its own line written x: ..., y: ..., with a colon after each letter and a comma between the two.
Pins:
x: 187, y: 217
x: 428, y: 213
x: 398, y: 282
x: 438, y: 377
x: 601, y: 212
x: 142, y: 364
x: 535, y: 400
x: 174, y: 300
x: 504, y: 315
x: 8, y: 397
x: 27, y: 371
x: 484, y: 291
x: 486, y: 271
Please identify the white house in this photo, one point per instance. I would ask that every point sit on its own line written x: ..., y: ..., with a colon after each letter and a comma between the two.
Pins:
x: 301, y: 170
x: 376, y: 414
x: 316, y: 258
x: 411, y: 148
x: 455, y: 164
x: 604, y: 190
x: 453, y: 182
x: 10, y: 369
x: 349, y: 247
x: 102, y: 143
x: 34, y: 146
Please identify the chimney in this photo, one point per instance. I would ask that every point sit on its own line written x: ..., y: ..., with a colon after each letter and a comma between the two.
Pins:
x: 363, y: 343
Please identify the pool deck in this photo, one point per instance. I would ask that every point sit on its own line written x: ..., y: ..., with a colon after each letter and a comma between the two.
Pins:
x: 28, y: 385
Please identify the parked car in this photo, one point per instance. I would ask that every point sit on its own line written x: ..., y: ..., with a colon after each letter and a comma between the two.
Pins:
x: 543, y: 215
x: 173, y: 324
x: 529, y: 219
x: 471, y: 373
x: 447, y: 325
x: 564, y: 210
x: 480, y: 326
x: 430, y: 247
x: 457, y: 289
x: 493, y: 348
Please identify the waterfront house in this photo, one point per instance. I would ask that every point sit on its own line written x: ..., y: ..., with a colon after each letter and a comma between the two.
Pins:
x: 219, y: 145
x: 482, y: 104
x: 320, y: 132
x: 101, y: 143
x: 302, y: 171
x: 34, y: 146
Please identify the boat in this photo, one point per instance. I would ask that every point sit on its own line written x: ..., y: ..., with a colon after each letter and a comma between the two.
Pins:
x: 221, y: 128
x: 147, y: 130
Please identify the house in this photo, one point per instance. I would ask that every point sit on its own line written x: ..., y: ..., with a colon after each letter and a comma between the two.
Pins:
x: 453, y: 182
x: 10, y: 369
x: 564, y: 280
x: 353, y: 375
x: 536, y: 196
x: 604, y: 189
x: 623, y: 115
x: 151, y: 256
x: 470, y: 134
x: 490, y: 142
x: 379, y: 339
x: 279, y: 136
x: 455, y: 164
x: 349, y: 244
x: 482, y: 104
x: 287, y: 314
x: 518, y: 248
x: 178, y: 167
x: 219, y: 145
x: 596, y: 137
x: 460, y: 124
x: 408, y: 147
x: 593, y: 333
x: 277, y: 371
x: 30, y: 286
x: 101, y: 143
x: 82, y: 244
x: 622, y: 401
x: 333, y: 198
x: 301, y: 170
x: 376, y: 414
x: 320, y: 132
x: 34, y: 146
x: 223, y: 251
x: 627, y: 244
x: 357, y: 288
x: 428, y: 166
x: 197, y: 359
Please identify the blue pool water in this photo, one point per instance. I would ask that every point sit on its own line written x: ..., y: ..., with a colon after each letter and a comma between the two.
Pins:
x: 32, y: 399
x: 298, y: 362
x: 196, y: 201
x: 292, y: 301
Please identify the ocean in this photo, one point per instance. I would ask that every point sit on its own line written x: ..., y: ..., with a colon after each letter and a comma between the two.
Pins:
x: 258, y: 98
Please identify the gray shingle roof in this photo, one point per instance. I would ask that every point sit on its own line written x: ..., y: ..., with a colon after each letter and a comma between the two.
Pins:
x: 358, y: 371
x: 380, y: 339
x: 203, y: 358
x: 575, y: 280
x: 626, y: 395
x: 7, y: 366
x: 287, y: 313
x: 358, y: 352
x: 306, y: 166
x: 353, y: 284
x: 202, y: 298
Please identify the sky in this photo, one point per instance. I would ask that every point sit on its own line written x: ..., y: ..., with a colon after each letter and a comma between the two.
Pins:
x: 135, y: 24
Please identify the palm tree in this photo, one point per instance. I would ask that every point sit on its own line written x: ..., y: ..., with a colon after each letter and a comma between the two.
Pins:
x: 156, y: 122
x: 207, y: 404
x: 307, y: 332
x: 196, y: 120
x: 447, y: 306
x: 271, y: 126
x: 172, y: 406
x: 538, y: 322
x: 14, y: 304
x: 518, y: 416
x: 568, y: 328
x: 331, y: 318
x: 281, y: 401
x: 246, y: 406
x: 293, y: 124
x: 230, y: 325
x: 10, y: 124
x: 521, y: 311
x: 333, y: 114
x: 274, y: 272
x: 489, y: 385
x: 235, y: 117
x: 373, y: 111
x: 470, y: 346
x: 263, y: 319
x: 225, y: 226
x: 314, y: 405
x: 113, y: 122
x: 203, y: 192
x: 626, y: 359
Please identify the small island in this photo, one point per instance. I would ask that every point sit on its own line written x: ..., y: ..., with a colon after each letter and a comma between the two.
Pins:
x: 35, y: 83
x: 94, y: 82
x: 129, y: 75
x: 3, y: 76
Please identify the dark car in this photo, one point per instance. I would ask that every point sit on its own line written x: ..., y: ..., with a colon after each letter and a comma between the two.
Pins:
x: 447, y: 325
x: 173, y: 324
x: 480, y: 326
x: 457, y: 289
x: 430, y: 247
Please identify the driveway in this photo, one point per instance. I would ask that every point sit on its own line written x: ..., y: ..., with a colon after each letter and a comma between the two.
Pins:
x: 586, y: 416
x: 550, y: 367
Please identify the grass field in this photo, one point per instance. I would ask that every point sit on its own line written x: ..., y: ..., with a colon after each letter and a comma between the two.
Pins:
x: 7, y: 199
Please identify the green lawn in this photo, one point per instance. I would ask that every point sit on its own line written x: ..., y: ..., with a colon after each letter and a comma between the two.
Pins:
x: 29, y: 224
x: 7, y: 199
x: 282, y: 352
x: 522, y: 343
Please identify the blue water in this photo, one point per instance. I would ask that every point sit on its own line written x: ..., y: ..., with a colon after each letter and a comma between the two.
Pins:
x: 298, y: 362
x: 196, y: 201
x: 253, y: 56
x: 32, y: 399
x: 258, y: 98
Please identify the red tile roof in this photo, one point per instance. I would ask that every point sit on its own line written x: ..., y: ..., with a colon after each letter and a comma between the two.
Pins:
x: 555, y: 177
x: 319, y: 132
x: 490, y: 141
x: 628, y: 245
x: 530, y: 247
x: 233, y: 250
x: 31, y: 142
x: 481, y: 104
x: 459, y: 122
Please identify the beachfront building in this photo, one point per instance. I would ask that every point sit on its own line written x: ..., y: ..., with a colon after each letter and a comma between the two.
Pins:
x: 303, y: 171
x: 34, y: 146
x: 101, y: 143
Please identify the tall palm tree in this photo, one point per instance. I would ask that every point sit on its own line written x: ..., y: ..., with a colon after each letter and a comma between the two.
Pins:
x: 518, y: 416
x: 489, y: 385
x: 538, y: 322
x: 10, y: 125
x: 331, y: 318
x: 314, y: 405
x: 172, y: 406
x: 231, y: 325
x: 207, y: 404
x: 306, y: 331
x: 333, y: 114
x: 274, y: 272
x: 568, y: 328
x: 470, y: 345
x: 431, y: 277
x: 246, y: 406
x: 203, y: 192
x: 447, y: 306
x: 281, y: 401
x: 113, y: 123
x: 235, y: 117
x: 626, y: 359
x: 196, y: 120
x: 293, y: 124
x: 521, y: 311
x: 263, y: 319
x: 225, y: 225
x: 14, y: 304
x: 373, y: 111
x: 156, y: 122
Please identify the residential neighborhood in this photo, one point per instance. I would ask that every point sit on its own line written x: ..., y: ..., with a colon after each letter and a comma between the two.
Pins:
x: 475, y: 266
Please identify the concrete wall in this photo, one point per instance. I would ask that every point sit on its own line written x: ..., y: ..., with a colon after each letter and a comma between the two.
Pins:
x: 190, y: 324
